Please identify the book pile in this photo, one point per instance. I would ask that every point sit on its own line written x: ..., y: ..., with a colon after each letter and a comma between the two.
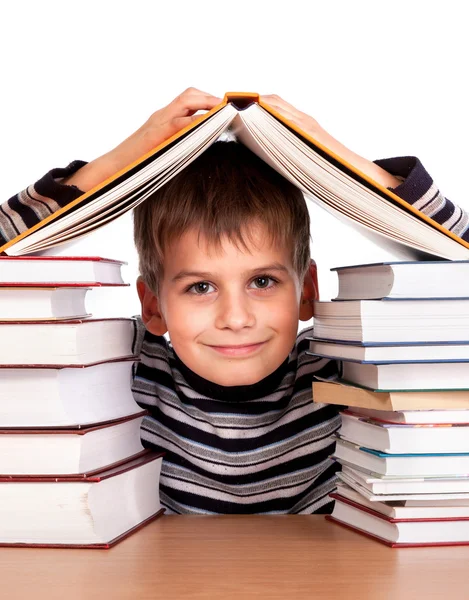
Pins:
x: 73, y: 471
x: 401, y: 334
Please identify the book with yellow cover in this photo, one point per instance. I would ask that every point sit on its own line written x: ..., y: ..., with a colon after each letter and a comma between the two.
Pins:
x: 322, y: 175
x: 349, y: 395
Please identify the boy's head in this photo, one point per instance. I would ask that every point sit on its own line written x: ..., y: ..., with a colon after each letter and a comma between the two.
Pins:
x: 225, y: 265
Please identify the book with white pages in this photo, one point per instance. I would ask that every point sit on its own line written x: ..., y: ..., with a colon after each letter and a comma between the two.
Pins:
x: 407, y: 376
x: 69, y: 452
x: 42, y: 303
x: 389, y: 353
x: 92, y: 511
x: 404, y: 280
x: 436, y: 499
x: 75, y: 396
x: 393, y: 322
x: 344, y: 394
x: 90, y: 271
x: 76, y: 342
x: 430, y: 508
x: 398, y: 438
x: 380, y: 485
x: 439, y: 465
x: 322, y: 175
x: 400, y: 532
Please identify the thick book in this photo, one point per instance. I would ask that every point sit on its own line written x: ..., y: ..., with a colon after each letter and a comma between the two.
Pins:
x: 374, y: 485
x: 407, y: 510
x: 77, y: 342
x: 73, y: 397
x: 401, y: 465
x: 65, y: 452
x: 404, y: 280
x: 95, y: 511
x: 90, y: 271
x: 408, y: 376
x: 398, y: 438
x: 325, y: 177
x: 399, y: 532
x: 389, y: 353
x: 42, y: 303
x: 393, y: 322
x: 343, y: 394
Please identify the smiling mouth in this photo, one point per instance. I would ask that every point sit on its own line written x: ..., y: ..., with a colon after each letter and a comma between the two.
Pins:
x: 238, y: 350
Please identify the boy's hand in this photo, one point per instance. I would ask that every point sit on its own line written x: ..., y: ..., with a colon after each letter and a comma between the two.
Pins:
x: 304, y: 121
x: 312, y: 127
x: 160, y: 126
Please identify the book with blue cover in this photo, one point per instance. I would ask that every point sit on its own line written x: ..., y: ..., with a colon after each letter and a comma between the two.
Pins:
x: 389, y: 353
x: 406, y: 321
x: 402, y: 465
x: 404, y: 280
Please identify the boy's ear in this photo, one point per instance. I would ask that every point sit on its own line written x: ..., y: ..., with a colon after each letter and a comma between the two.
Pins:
x: 310, y: 293
x: 151, y: 314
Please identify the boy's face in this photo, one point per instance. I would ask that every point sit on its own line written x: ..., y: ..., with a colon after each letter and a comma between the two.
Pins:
x: 232, y: 314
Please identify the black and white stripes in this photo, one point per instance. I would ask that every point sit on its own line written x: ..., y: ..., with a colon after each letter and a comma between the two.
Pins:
x: 268, y: 454
x: 419, y: 189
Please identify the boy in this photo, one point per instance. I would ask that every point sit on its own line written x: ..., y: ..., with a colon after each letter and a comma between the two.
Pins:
x: 225, y: 270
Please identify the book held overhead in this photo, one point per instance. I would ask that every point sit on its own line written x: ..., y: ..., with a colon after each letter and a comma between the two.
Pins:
x: 318, y: 172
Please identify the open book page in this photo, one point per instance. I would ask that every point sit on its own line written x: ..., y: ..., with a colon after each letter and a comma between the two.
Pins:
x: 332, y: 186
x: 124, y: 195
x: 334, y: 189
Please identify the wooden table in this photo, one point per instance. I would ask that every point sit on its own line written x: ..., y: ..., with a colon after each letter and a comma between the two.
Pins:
x: 288, y: 557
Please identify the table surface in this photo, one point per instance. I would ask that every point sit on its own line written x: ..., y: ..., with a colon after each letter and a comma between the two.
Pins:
x: 240, y: 557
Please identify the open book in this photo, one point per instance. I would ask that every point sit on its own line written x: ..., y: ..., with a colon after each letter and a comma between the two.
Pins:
x: 320, y: 174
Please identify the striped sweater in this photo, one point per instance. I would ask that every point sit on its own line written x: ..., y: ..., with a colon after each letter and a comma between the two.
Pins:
x: 263, y: 448
x: 254, y: 449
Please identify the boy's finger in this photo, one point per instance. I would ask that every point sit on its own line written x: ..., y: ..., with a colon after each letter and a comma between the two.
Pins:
x: 188, y: 103
x: 181, y: 122
x: 276, y: 101
x: 283, y: 111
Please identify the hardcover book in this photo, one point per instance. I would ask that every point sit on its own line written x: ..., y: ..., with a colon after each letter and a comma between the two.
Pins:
x: 94, y: 511
x: 319, y: 173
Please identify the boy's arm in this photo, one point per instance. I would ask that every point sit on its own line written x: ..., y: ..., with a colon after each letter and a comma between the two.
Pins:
x: 59, y: 187
x: 405, y: 176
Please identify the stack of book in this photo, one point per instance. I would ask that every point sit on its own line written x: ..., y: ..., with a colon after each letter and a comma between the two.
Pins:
x: 73, y: 471
x: 400, y: 332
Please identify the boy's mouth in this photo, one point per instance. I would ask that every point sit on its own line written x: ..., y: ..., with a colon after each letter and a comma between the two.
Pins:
x: 238, y: 350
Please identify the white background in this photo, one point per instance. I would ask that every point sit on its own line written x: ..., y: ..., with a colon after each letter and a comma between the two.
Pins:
x: 386, y: 79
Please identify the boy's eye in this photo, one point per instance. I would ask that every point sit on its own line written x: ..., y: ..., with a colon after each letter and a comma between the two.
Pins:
x: 263, y: 282
x: 200, y: 288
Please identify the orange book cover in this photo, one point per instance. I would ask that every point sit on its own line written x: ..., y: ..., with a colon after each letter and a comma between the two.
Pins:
x: 242, y: 100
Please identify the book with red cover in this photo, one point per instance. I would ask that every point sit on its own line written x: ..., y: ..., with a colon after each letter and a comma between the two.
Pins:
x: 87, y: 341
x: 69, y: 452
x: 135, y: 504
x: 384, y: 518
x: 63, y: 271
x: 66, y: 396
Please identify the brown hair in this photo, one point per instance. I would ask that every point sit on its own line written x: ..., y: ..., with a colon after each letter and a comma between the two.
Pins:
x: 219, y: 193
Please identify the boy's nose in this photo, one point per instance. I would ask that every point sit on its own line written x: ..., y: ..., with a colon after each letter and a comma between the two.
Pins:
x: 234, y: 312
